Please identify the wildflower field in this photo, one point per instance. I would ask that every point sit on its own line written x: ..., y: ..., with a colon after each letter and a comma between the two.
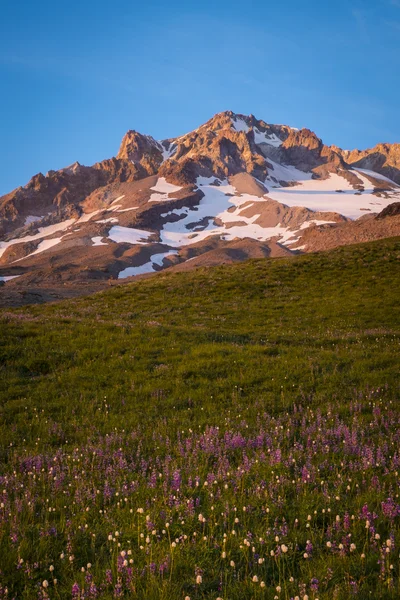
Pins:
x: 229, y: 433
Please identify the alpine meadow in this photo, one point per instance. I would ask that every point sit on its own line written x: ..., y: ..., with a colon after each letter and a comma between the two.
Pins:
x: 230, y: 432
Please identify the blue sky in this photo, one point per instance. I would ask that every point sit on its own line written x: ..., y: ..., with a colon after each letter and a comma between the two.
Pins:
x: 75, y: 76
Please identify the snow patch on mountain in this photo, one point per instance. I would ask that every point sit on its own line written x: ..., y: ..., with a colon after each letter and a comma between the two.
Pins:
x: 201, y: 180
x: 46, y: 245
x: 163, y: 189
x: 285, y: 173
x: 166, y: 154
x: 32, y: 219
x: 118, y: 199
x: 261, y: 137
x: 219, y: 213
x: 316, y: 222
x: 156, y: 259
x: 87, y: 216
x: 129, y: 235
x: 97, y: 241
x: 334, y: 194
x: 376, y: 175
x: 42, y: 232
x: 240, y: 125
x: 109, y: 220
x: 6, y: 278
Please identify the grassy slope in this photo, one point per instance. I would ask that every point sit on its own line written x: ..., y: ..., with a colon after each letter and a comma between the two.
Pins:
x: 314, y: 327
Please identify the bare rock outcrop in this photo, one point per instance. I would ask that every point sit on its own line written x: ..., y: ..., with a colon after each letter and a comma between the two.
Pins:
x: 383, y: 159
x: 142, y: 150
x: 392, y: 210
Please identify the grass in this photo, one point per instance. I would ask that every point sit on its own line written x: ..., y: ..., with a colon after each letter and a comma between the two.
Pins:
x: 160, y: 387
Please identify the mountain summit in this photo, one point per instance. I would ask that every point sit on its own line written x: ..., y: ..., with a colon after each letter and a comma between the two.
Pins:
x: 235, y: 187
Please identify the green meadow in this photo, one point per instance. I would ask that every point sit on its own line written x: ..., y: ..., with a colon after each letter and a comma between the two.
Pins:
x: 164, y: 410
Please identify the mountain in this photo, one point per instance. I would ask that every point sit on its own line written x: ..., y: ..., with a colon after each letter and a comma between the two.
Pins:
x: 234, y: 188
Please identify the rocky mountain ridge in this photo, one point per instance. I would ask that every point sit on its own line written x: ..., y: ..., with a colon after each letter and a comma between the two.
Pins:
x: 234, y: 188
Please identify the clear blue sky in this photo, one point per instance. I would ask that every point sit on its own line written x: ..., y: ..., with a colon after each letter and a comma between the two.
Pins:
x: 75, y: 75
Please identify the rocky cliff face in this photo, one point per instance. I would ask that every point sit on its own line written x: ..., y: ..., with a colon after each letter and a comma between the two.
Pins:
x: 234, y: 187
x: 383, y: 159
x: 59, y: 193
x: 143, y: 151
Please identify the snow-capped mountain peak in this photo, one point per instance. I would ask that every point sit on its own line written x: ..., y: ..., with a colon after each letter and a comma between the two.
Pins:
x: 235, y: 182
